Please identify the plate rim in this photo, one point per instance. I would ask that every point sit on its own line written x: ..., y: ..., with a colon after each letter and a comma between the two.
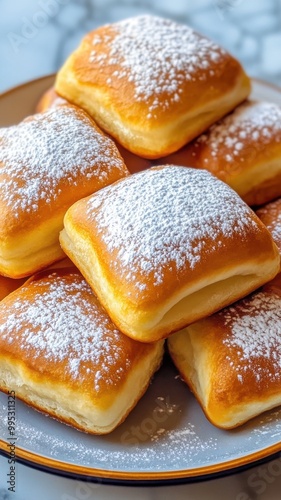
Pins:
x: 68, y: 469
x: 108, y: 476
x: 48, y: 76
x: 15, y: 88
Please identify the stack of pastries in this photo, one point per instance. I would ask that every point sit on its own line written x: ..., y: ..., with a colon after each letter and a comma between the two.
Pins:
x: 130, y: 214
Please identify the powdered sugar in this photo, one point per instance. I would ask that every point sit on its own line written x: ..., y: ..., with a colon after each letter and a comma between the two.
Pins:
x: 66, y: 323
x: 184, y: 440
x: 265, y: 429
x: 255, y: 324
x: 186, y: 443
x: 251, y: 122
x: 163, y: 220
x: 270, y: 215
x: 37, y: 154
x: 172, y: 446
x: 158, y: 56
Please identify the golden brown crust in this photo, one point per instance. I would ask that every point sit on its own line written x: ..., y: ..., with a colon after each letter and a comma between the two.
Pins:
x: 48, y: 162
x: 270, y: 215
x: 144, y: 82
x: 61, y: 353
x: 134, y: 163
x: 152, y: 245
x: 243, y: 150
x: 230, y: 360
x: 50, y: 99
x: 8, y: 285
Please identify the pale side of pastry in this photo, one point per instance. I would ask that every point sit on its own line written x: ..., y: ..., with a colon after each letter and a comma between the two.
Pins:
x: 243, y: 150
x: 232, y: 360
x: 47, y: 162
x: 151, y: 83
x: 270, y: 215
x: 61, y: 353
x: 166, y: 247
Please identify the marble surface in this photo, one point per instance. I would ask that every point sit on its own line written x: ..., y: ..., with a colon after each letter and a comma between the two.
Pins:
x: 35, y: 38
x: 37, y: 35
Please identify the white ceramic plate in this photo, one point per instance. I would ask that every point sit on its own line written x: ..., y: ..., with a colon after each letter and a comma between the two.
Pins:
x: 166, y: 437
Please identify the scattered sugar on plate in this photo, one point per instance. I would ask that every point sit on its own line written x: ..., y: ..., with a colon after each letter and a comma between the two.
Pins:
x: 192, y: 443
x: 163, y: 447
x: 265, y: 428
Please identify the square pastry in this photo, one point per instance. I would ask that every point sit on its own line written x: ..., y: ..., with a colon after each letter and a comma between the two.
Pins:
x: 167, y: 246
x: 232, y: 360
x: 47, y: 162
x: 61, y: 353
x: 134, y: 163
x: 243, y: 149
x: 151, y: 83
x: 270, y: 215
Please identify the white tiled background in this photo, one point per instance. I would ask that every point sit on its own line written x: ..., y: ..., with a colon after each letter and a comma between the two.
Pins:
x: 35, y: 38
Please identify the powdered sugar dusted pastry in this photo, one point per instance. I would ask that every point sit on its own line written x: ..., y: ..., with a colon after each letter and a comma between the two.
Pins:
x: 243, y: 150
x: 8, y: 285
x: 48, y: 162
x: 167, y: 246
x: 60, y: 353
x: 151, y: 83
x: 231, y: 360
x: 134, y: 163
x: 270, y: 215
x: 50, y: 99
